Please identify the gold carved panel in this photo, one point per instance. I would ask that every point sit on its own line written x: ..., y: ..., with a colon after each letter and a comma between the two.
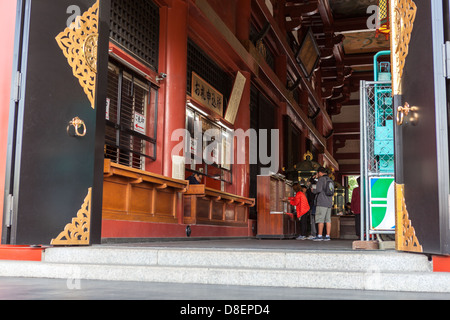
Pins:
x: 79, y: 45
x: 78, y: 231
x: 403, y: 13
x: 405, y: 239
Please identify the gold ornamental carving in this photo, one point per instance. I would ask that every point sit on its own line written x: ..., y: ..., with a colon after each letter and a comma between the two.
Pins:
x: 403, y: 13
x: 90, y: 51
x: 78, y: 231
x: 405, y: 239
x: 79, y: 45
x: 308, y: 156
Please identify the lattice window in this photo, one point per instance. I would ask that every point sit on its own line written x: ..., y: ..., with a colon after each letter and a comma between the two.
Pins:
x: 135, y: 27
x: 201, y: 64
x: 130, y: 121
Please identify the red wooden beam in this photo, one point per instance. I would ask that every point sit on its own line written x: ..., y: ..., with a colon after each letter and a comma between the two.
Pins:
x: 441, y: 264
x: 21, y: 253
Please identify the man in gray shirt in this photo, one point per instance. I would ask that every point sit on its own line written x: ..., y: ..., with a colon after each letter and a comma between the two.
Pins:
x: 324, y: 205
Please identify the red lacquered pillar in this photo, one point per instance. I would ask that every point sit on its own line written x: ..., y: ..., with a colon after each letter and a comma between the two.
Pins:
x: 175, y: 83
x: 241, y: 171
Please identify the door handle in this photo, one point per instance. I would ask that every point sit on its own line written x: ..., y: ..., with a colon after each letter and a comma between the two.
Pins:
x: 78, y: 124
x: 402, y: 112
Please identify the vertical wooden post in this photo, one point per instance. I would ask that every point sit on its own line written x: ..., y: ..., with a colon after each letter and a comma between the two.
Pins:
x: 176, y: 66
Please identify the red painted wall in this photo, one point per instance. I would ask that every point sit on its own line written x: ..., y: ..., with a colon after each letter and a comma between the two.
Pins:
x: 130, y: 229
x: 7, y: 25
x: 226, y: 11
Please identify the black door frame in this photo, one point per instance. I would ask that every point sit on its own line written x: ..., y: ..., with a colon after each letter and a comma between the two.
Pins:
x: 429, y: 222
x: 16, y: 123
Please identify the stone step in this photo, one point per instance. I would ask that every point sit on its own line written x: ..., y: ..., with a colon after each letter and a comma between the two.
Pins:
x: 276, y: 277
x: 358, y: 270
x: 373, y: 261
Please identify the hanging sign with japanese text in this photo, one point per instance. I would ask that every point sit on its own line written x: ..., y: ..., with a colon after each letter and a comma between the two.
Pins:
x: 236, y: 97
x: 205, y: 94
x: 139, y: 123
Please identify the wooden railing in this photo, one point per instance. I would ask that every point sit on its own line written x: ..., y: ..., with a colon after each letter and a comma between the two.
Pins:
x: 135, y: 195
x: 208, y: 206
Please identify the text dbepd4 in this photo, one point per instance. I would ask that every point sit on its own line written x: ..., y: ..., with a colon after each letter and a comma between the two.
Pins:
x: 227, y: 309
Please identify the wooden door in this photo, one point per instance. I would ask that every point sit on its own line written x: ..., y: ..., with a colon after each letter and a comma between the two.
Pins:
x: 421, y: 133
x: 56, y: 137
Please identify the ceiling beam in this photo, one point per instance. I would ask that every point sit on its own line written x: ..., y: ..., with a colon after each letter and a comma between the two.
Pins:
x: 357, y: 60
x: 350, y: 24
x: 347, y: 128
x: 350, y: 169
x: 305, y: 9
x: 347, y: 156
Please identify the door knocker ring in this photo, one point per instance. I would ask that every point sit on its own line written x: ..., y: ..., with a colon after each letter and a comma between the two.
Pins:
x: 78, y: 124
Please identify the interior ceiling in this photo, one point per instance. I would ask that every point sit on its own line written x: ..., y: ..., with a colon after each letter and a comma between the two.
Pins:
x: 343, y: 9
x: 359, y: 43
x: 354, y: 15
x: 347, y: 49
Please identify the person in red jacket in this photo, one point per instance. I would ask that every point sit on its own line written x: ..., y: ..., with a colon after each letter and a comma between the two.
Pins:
x: 300, y: 202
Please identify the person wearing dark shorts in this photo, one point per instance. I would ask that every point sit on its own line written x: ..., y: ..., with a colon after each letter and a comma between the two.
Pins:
x: 324, y: 205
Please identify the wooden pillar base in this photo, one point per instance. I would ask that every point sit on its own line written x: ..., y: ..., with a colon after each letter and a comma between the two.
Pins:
x: 365, y: 245
x: 441, y: 264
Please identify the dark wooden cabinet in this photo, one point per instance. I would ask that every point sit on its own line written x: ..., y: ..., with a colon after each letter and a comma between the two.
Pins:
x: 273, y: 220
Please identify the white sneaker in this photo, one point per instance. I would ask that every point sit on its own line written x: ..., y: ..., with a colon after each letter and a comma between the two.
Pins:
x: 301, y: 238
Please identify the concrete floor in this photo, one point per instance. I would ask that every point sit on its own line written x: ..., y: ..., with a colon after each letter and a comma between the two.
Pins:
x: 50, y: 289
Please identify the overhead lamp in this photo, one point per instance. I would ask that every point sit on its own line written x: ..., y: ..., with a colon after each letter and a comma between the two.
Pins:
x: 224, y: 126
x: 190, y: 104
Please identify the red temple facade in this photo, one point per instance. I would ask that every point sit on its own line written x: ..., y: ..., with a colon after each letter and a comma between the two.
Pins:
x: 108, y: 107
x: 236, y: 65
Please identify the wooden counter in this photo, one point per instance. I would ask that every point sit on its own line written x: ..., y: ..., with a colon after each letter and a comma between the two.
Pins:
x: 135, y: 195
x: 208, y: 206
x: 343, y: 227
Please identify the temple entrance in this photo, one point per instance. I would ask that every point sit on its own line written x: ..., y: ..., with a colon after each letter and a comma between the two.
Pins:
x: 178, y: 75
